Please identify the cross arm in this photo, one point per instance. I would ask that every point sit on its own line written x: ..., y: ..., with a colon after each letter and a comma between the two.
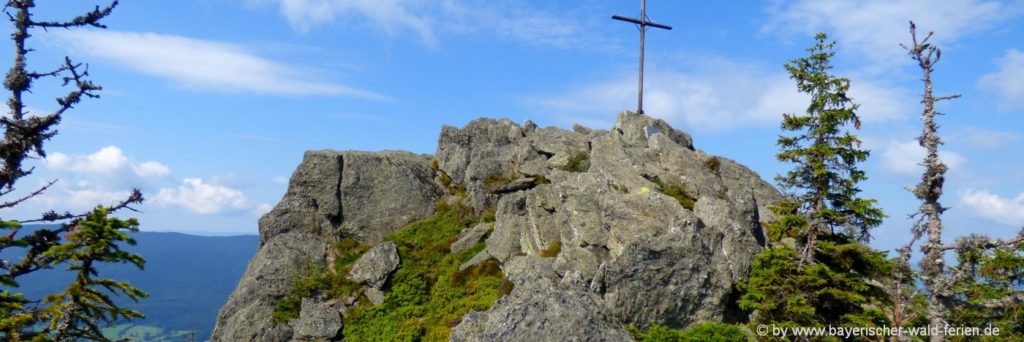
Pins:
x: 641, y: 22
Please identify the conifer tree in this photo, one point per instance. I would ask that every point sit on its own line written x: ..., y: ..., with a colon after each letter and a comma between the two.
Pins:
x: 825, y: 176
x: 810, y: 275
x: 79, y: 242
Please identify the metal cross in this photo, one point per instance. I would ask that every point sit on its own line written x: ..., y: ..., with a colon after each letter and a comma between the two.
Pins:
x: 641, y: 23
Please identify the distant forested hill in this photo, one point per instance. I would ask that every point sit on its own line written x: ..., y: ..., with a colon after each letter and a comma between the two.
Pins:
x: 188, y: 278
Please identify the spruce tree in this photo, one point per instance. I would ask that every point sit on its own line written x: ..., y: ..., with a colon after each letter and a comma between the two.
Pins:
x: 75, y: 242
x: 810, y: 274
x: 825, y: 153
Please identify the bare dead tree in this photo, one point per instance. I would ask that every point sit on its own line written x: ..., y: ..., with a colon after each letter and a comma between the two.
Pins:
x: 938, y: 279
x: 81, y: 241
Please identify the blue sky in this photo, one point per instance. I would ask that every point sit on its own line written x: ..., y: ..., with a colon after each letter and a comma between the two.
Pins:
x: 209, y: 104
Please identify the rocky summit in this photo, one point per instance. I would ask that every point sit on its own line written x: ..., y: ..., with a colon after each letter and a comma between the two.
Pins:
x: 593, y: 230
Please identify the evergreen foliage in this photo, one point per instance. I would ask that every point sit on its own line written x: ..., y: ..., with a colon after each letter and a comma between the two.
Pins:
x: 825, y: 175
x: 85, y: 306
x: 837, y: 289
x: 812, y: 275
x: 82, y: 241
x: 700, y: 332
x: 986, y: 279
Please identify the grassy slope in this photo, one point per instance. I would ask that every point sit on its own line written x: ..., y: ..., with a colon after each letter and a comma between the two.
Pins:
x: 428, y: 295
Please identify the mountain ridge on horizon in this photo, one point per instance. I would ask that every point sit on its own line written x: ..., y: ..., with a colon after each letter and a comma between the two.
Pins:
x: 188, y: 277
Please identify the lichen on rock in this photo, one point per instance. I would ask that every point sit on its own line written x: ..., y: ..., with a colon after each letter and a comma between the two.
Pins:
x: 593, y: 229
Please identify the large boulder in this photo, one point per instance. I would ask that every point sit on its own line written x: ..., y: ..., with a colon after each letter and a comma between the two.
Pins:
x: 331, y: 194
x: 470, y: 236
x: 374, y: 267
x: 542, y: 307
x: 317, y: 321
x: 366, y: 195
x: 488, y: 148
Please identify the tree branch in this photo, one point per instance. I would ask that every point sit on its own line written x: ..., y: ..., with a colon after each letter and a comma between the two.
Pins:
x: 981, y: 242
x: 134, y: 198
x: 91, y: 18
x: 26, y: 197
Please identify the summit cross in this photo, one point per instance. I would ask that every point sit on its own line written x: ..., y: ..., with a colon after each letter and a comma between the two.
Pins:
x: 642, y: 24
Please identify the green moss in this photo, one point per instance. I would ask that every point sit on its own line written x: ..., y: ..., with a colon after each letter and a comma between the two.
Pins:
x: 449, y: 184
x: 699, y: 332
x: 461, y: 212
x: 444, y: 179
x: 677, y: 191
x: 430, y: 295
x: 540, y: 179
x: 578, y: 162
x: 315, y: 280
x: 495, y: 181
x: 552, y: 250
x: 489, y: 215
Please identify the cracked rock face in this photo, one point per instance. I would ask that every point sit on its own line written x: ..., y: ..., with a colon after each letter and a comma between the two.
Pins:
x: 246, y: 315
x: 542, y: 307
x: 658, y: 230
x: 332, y: 194
x: 596, y: 229
x: 367, y: 195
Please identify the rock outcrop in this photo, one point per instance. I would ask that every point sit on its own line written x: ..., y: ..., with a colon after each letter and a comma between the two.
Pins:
x: 246, y: 315
x: 367, y: 195
x: 316, y: 322
x: 374, y: 267
x: 332, y: 194
x: 470, y: 237
x: 595, y: 229
x: 542, y: 307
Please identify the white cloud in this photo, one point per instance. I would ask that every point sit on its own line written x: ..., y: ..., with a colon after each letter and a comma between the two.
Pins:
x: 262, y: 208
x: 204, y: 198
x: 985, y: 138
x: 879, y: 103
x: 994, y: 207
x: 390, y: 16
x: 709, y: 101
x: 104, y: 177
x: 905, y: 158
x: 202, y: 64
x: 426, y: 19
x: 512, y: 20
x: 1008, y: 81
x: 151, y: 169
x: 280, y: 180
x: 109, y: 161
x: 81, y: 199
x: 875, y: 28
x: 104, y: 161
x: 723, y: 95
x: 57, y: 161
